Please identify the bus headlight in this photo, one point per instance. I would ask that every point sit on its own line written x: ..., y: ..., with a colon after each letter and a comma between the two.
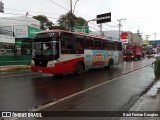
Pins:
x: 50, y: 64
x: 32, y: 63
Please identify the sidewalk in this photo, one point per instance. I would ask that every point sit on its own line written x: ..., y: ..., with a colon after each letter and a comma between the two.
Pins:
x: 148, y: 102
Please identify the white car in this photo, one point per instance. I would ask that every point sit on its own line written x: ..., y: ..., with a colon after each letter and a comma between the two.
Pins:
x: 157, y: 56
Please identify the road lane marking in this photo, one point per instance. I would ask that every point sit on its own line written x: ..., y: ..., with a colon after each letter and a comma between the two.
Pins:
x: 80, y: 92
x: 40, y: 107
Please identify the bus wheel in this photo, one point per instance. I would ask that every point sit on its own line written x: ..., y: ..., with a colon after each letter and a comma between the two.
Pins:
x: 110, y: 64
x: 79, y: 68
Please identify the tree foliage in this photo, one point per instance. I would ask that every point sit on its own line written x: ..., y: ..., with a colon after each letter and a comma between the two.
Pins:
x: 68, y: 19
x: 157, y: 68
x: 64, y: 21
x: 45, y: 23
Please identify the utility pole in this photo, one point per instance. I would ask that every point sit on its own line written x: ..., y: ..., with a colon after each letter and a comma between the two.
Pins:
x: 120, y: 25
x: 139, y: 35
x: 71, y: 6
x: 147, y: 36
x: 154, y: 36
x: 100, y: 29
x: 71, y: 16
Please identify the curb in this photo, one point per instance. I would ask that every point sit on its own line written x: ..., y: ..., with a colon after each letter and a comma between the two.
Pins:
x: 4, y: 68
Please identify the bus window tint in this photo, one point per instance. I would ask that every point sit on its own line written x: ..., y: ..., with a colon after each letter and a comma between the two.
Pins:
x: 89, y: 43
x: 79, y: 44
x: 105, y: 45
x: 111, y: 46
x: 118, y: 46
x: 67, y: 43
x: 98, y: 45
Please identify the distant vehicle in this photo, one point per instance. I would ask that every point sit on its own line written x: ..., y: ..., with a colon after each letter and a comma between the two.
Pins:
x: 157, y: 56
x: 59, y: 51
x: 132, y: 52
x: 149, y: 51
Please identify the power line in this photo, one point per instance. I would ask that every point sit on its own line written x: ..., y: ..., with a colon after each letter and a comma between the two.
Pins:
x: 29, y: 15
x: 111, y: 26
x: 59, y: 5
x: 16, y: 19
x: 13, y: 13
x: 93, y: 28
x: 38, y: 11
x: 31, y: 11
x: 47, y: 13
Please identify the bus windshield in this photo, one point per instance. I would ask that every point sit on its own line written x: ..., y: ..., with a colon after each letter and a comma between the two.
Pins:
x: 45, y: 47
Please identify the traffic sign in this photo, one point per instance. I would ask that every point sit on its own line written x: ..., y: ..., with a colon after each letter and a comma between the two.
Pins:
x: 102, y: 18
x: 84, y: 29
x: 1, y: 7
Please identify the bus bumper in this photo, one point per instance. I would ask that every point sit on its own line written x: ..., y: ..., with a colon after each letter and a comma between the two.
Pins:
x: 48, y: 70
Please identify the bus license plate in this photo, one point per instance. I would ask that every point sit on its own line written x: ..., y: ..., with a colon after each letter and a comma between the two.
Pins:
x: 40, y: 71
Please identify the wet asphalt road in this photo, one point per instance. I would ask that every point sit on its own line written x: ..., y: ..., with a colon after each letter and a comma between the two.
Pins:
x: 122, y: 87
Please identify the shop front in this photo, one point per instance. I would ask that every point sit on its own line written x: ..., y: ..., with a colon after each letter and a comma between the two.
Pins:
x: 18, y: 52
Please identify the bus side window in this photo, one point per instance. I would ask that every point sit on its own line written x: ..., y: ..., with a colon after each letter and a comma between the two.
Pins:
x: 118, y: 46
x: 79, y: 44
x: 67, y: 43
x: 98, y: 45
x: 105, y: 45
x: 111, y: 46
x: 89, y: 43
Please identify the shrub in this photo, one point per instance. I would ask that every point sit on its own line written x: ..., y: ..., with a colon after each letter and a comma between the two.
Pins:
x: 157, y: 68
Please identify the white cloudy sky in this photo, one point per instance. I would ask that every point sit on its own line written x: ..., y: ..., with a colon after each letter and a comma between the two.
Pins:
x: 142, y: 15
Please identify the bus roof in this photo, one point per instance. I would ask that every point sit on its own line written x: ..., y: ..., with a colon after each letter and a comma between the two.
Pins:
x: 77, y: 33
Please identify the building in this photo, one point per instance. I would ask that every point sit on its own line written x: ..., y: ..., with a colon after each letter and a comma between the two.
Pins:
x: 156, y: 45
x: 15, y: 45
x: 134, y: 38
x: 130, y: 38
x: 110, y: 34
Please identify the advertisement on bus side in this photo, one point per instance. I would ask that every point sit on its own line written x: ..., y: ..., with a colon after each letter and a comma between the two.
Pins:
x: 100, y: 58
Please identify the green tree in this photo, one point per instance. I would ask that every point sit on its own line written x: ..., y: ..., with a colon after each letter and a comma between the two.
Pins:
x: 68, y: 19
x: 45, y: 23
x: 58, y: 27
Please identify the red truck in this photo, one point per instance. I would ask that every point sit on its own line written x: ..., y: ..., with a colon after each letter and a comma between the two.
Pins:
x: 132, y: 52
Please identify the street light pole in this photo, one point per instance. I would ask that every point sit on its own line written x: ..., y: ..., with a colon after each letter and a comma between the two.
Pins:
x: 75, y: 6
x: 72, y: 14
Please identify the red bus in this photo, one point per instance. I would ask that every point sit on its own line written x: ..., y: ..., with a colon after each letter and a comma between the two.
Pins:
x: 59, y: 51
